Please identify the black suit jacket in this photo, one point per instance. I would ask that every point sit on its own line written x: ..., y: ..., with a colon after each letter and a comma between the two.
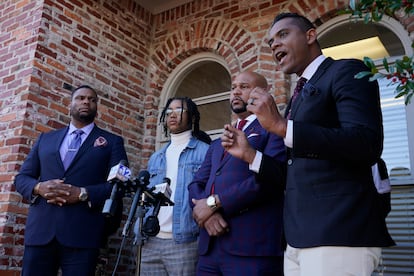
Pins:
x: 331, y: 199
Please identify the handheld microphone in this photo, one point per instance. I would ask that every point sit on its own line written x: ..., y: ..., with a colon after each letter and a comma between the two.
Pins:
x: 163, y: 190
x: 118, y: 173
x: 143, y: 179
x: 161, y: 195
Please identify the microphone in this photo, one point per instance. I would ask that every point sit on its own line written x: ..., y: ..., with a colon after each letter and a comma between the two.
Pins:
x: 161, y: 196
x: 143, y: 180
x: 118, y: 173
x: 163, y: 192
x: 163, y: 189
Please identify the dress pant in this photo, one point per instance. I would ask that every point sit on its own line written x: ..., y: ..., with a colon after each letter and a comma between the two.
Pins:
x: 331, y: 260
x: 45, y: 260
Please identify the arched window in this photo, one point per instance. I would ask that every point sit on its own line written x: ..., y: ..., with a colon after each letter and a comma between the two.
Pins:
x: 204, y: 78
x: 342, y: 37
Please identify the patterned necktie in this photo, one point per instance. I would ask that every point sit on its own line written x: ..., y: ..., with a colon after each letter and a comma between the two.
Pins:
x: 241, y: 124
x: 299, y: 86
x: 73, y: 148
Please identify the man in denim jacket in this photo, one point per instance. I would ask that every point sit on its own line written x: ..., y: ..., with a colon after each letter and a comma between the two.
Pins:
x: 173, y: 251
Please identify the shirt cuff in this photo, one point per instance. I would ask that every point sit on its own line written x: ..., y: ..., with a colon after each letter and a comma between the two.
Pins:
x: 289, y: 134
x: 255, y: 165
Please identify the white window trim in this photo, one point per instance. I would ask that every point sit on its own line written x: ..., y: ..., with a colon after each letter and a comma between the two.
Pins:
x: 174, y: 80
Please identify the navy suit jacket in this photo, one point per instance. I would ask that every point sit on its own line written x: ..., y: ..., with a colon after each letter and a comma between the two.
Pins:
x: 331, y: 199
x: 251, y: 206
x: 76, y: 225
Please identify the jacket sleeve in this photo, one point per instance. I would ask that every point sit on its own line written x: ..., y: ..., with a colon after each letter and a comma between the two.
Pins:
x: 29, y: 173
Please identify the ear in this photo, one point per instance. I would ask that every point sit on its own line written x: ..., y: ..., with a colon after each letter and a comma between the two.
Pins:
x: 311, y: 36
x: 269, y: 86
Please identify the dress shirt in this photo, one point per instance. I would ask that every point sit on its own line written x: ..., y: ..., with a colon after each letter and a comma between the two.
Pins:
x: 288, y: 139
x: 66, y: 141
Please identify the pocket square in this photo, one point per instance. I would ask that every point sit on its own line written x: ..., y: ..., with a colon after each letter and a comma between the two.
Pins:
x: 252, y: 135
x: 309, y: 90
x: 100, y: 142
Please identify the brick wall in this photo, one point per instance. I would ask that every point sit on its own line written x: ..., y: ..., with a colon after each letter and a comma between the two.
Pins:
x: 127, y: 55
x: 45, y: 47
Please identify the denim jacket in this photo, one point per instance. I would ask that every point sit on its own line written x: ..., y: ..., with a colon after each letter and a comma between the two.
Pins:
x: 184, y: 227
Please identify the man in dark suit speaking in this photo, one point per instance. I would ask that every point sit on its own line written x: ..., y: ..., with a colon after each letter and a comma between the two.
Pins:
x: 65, y: 179
x: 333, y: 218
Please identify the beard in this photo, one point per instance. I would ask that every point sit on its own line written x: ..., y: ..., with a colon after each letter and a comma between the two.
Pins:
x: 84, y: 118
x: 241, y: 109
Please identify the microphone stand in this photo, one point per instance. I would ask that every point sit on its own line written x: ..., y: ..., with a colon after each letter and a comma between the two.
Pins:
x: 128, y: 223
x: 140, y: 239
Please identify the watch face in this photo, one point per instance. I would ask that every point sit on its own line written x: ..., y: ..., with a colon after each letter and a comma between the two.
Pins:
x: 211, y: 201
x: 83, y: 195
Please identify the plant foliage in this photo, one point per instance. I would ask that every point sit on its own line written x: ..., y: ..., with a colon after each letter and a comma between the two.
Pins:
x: 401, y: 72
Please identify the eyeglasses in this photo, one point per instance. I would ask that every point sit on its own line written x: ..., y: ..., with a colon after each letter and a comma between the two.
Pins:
x: 176, y: 111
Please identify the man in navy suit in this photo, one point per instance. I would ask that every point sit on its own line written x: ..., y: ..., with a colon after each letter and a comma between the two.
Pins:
x: 240, y: 213
x: 333, y: 218
x: 65, y: 225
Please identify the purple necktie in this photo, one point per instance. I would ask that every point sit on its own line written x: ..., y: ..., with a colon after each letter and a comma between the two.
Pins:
x: 299, y: 86
x: 73, y: 148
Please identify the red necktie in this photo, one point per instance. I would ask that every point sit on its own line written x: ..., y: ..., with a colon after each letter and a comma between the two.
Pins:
x: 241, y: 124
x: 299, y: 86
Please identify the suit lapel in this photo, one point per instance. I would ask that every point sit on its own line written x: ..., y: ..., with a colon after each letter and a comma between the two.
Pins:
x: 249, y: 130
x: 86, y: 145
x: 60, y: 135
x: 318, y: 74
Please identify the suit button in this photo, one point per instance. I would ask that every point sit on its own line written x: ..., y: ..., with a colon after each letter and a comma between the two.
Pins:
x: 289, y: 161
x: 218, y: 172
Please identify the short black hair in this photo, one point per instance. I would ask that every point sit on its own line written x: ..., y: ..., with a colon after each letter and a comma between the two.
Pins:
x: 302, y: 22
x: 84, y: 86
x: 192, y: 111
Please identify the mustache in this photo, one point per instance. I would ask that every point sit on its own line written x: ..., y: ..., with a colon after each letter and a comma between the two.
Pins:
x: 239, y: 110
x: 239, y: 99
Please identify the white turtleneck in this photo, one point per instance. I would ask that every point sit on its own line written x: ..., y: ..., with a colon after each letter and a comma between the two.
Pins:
x: 178, y: 143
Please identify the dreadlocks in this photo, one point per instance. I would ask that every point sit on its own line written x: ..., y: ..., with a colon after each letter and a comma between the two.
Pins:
x: 192, y: 111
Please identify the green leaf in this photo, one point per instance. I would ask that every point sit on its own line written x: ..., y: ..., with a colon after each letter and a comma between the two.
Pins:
x: 352, y: 4
x: 363, y: 74
x: 408, y: 98
x: 369, y: 63
x: 385, y: 63
x: 399, y: 95
x: 376, y: 76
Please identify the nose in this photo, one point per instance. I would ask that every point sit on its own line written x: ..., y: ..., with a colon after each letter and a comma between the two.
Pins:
x: 236, y: 90
x: 274, y: 44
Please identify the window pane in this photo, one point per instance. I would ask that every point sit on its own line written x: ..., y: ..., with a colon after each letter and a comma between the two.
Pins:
x: 214, y: 115
x: 395, y: 151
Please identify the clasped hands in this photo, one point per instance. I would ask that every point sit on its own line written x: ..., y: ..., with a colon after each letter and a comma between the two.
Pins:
x: 57, y: 192
x: 213, y: 222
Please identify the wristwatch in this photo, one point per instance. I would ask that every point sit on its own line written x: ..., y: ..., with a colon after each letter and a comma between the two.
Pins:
x: 212, y: 203
x: 83, y: 195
